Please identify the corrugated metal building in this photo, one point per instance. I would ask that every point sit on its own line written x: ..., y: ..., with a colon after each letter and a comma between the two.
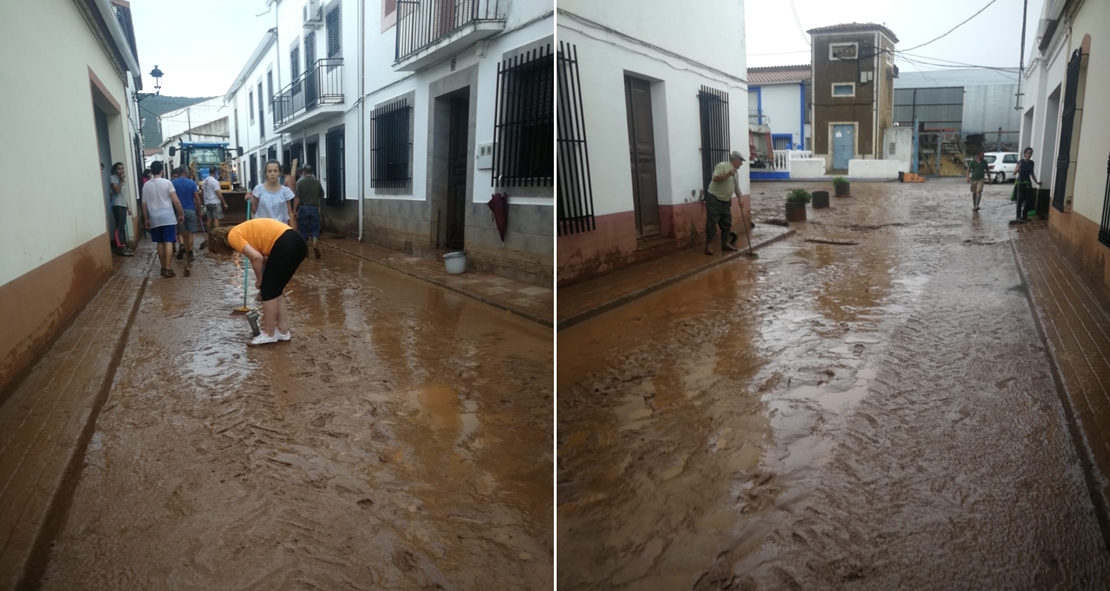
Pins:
x: 970, y: 101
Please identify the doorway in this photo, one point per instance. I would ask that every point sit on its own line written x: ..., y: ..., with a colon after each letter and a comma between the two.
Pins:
x: 104, y: 153
x: 641, y: 150
x: 458, y: 167
x: 311, y: 150
x: 843, y: 144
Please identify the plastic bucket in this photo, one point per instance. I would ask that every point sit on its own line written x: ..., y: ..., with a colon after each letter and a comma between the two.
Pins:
x: 455, y: 261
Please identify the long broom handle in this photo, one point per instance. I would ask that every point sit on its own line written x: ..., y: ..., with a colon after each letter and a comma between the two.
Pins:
x: 246, y: 263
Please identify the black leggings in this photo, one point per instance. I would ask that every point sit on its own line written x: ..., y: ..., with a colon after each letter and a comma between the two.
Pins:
x: 286, y: 255
x: 120, y: 236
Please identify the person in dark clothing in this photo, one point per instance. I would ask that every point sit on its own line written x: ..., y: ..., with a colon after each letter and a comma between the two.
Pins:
x: 1025, y: 196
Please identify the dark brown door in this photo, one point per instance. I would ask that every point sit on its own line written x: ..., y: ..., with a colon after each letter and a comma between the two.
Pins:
x: 457, y: 167
x: 641, y: 148
x: 445, y: 18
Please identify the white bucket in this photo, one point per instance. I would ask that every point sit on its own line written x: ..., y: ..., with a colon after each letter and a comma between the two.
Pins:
x: 455, y: 261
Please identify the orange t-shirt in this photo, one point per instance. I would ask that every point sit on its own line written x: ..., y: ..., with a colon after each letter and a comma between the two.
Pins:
x: 261, y: 233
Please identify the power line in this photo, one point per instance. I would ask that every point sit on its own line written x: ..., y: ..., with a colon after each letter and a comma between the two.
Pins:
x: 953, y: 28
x: 797, y: 21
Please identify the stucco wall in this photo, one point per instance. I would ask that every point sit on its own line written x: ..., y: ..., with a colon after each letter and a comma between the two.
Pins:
x: 1093, y: 137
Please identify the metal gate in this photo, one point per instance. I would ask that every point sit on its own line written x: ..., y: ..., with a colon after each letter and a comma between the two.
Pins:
x: 1063, y: 162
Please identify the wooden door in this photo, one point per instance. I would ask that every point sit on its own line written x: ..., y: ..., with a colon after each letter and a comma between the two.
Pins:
x: 458, y: 167
x: 641, y: 149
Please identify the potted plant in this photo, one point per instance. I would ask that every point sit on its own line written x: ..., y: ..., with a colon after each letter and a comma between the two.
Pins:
x: 820, y: 199
x: 841, y: 187
x: 796, y: 205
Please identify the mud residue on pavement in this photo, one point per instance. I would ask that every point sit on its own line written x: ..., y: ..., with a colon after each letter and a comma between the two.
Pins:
x: 401, y: 440
x: 878, y: 416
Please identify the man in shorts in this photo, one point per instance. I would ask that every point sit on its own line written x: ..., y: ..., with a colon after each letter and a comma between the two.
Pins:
x: 976, y: 175
x: 189, y: 195
x: 161, y: 214
x: 213, y: 197
x: 306, y: 206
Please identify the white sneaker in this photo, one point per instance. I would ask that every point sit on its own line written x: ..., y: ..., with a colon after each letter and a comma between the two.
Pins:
x: 264, y: 339
x: 282, y: 336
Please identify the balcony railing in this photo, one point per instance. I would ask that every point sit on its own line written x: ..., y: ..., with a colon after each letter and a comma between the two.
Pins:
x: 322, y: 84
x: 423, y: 23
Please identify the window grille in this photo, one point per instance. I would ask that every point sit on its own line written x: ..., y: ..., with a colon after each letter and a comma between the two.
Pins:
x: 523, y: 134
x: 392, y: 144
x: 575, y: 202
x: 713, y: 107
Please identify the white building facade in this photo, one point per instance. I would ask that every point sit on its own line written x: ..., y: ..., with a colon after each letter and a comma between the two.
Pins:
x: 408, y: 139
x: 649, y: 103
x: 76, y: 92
x: 778, y: 96
x: 1063, y: 121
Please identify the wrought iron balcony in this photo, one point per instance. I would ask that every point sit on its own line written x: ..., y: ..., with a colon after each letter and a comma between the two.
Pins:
x: 427, y: 30
x: 322, y: 84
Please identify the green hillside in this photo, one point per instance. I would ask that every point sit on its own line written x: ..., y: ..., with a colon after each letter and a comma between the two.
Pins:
x: 151, y: 107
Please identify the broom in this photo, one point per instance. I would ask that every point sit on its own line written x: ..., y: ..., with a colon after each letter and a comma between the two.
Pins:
x: 246, y: 268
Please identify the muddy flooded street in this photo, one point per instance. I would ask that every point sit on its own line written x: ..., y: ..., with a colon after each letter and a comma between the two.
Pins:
x: 867, y: 405
x: 401, y: 440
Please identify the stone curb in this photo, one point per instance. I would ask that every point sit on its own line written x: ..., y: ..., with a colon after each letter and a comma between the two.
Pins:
x: 643, y: 291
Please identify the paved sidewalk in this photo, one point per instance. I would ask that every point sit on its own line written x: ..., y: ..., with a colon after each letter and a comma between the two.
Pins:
x: 1073, y: 318
x: 46, y: 424
x: 533, y: 302
x: 590, y: 298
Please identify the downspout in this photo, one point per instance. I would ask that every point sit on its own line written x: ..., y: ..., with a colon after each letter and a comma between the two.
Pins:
x: 361, y: 112
x: 875, y: 153
x: 759, y: 105
x: 802, y: 115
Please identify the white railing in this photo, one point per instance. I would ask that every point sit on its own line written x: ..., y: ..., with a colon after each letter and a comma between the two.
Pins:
x: 794, y: 154
x: 782, y: 161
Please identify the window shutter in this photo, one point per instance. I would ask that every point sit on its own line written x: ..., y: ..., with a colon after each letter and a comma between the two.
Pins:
x: 334, y: 36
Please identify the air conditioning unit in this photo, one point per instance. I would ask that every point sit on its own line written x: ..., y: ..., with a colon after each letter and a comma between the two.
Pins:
x: 313, y: 14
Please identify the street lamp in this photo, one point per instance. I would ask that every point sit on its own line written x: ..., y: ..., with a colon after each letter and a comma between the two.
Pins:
x: 157, y: 74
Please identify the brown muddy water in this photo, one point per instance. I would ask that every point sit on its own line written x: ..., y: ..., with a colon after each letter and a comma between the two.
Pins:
x: 402, y: 440
x: 830, y: 416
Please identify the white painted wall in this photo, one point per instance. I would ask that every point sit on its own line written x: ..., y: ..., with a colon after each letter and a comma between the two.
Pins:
x: 898, y: 146
x: 177, y: 122
x: 712, y: 31
x: 782, y: 104
x: 807, y: 168
x: 874, y: 169
x: 54, y: 87
x: 1093, y: 136
x: 606, y: 57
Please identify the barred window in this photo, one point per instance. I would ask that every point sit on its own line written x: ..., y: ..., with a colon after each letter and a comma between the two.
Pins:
x: 575, y: 193
x: 392, y: 143
x: 525, y: 122
x: 713, y: 105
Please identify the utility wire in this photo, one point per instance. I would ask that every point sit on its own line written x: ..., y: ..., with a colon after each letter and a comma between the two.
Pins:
x: 798, y: 22
x: 953, y: 28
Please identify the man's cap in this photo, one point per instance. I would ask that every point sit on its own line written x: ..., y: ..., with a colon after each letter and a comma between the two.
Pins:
x: 735, y: 156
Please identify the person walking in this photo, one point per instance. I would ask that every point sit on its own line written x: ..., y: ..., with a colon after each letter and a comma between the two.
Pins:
x: 161, y: 214
x: 121, y: 208
x: 271, y: 199
x: 1023, y: 187
x: 976, y: 177
x: 189, y: 195
x: 306, y: 208
x: 214, y: 203
x: 275, y: 251
x: 718, y: 203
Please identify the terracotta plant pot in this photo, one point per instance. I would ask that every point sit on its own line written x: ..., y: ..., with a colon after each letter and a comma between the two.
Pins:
x: 843, y: 189
x: 820, y: 199
x: 795, y: 212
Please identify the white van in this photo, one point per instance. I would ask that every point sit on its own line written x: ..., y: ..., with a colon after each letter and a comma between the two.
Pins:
x: 1001, y: 165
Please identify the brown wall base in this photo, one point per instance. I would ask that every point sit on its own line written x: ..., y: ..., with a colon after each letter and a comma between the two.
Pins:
x: 1079, y: 237
x: 613, y: 245
x: 43, y: 301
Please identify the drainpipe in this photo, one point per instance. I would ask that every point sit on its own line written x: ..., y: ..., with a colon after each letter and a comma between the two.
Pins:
x: 361, y: 112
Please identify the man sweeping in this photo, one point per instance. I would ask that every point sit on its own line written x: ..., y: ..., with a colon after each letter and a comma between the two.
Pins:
x: 718, y: 203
